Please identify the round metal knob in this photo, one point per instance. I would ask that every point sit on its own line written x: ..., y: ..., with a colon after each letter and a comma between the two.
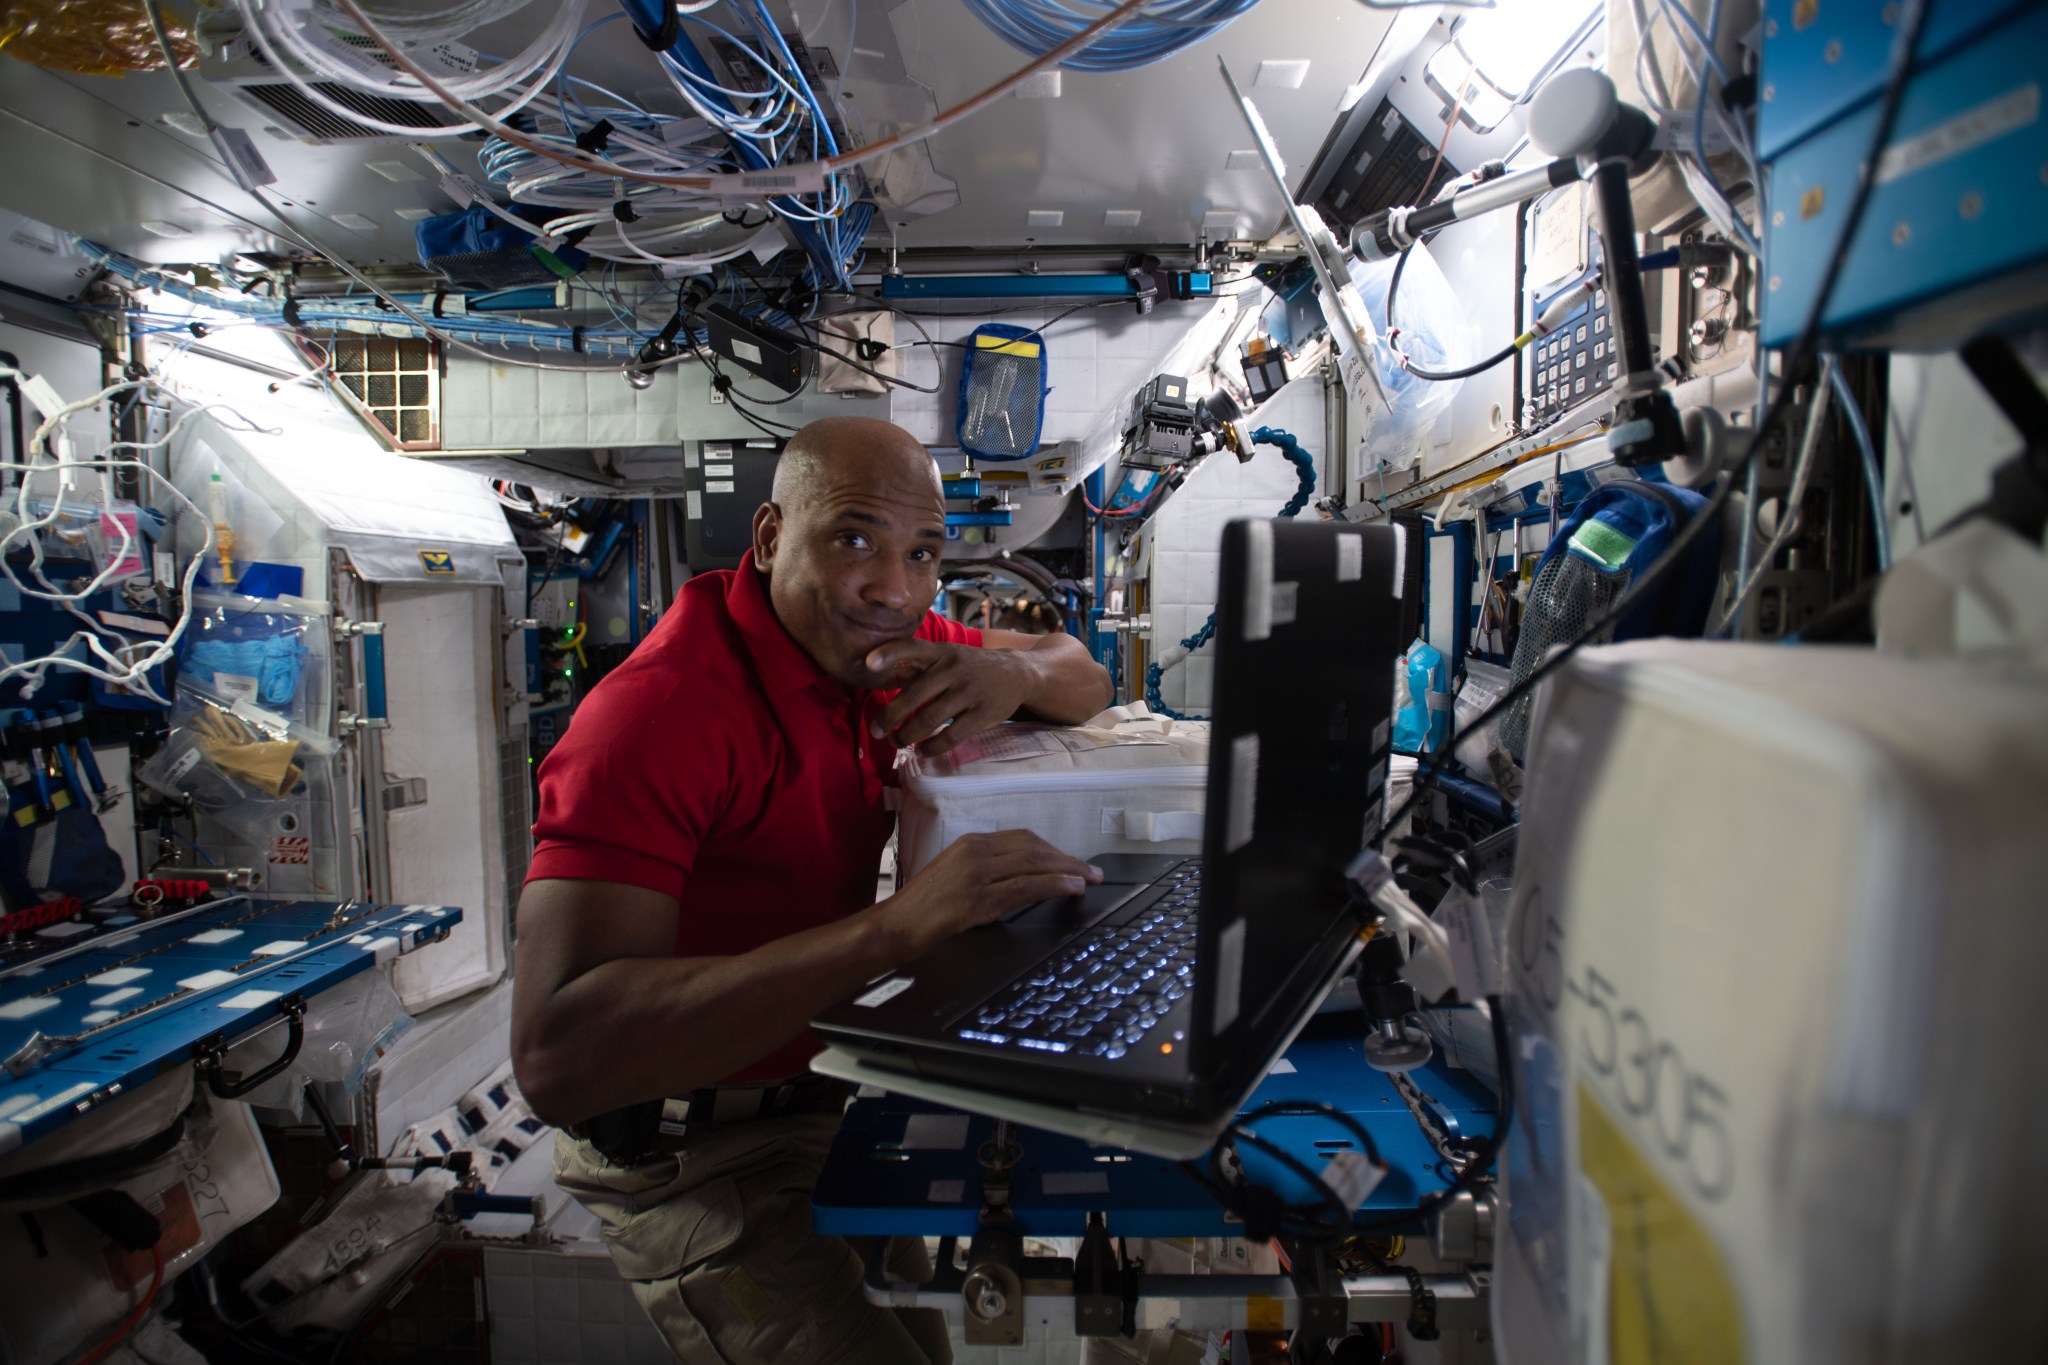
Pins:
x: 1396, y: 1047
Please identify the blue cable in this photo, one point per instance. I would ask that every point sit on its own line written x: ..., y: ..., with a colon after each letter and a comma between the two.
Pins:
x: 1162, y: 29
x: 1305, y: 472
x: 1873, y: 476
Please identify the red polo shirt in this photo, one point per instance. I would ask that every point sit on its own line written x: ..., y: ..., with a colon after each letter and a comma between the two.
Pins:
x: 718, y: 764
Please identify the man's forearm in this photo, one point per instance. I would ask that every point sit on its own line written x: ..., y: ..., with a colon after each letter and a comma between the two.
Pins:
x: 637, y: 1028
x: 1069, y: 686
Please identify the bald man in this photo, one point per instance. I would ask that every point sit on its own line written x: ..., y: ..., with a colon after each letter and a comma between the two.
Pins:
x: 710, y: 833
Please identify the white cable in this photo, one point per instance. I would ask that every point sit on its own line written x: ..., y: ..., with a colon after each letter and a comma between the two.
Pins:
x: 1789, y: 520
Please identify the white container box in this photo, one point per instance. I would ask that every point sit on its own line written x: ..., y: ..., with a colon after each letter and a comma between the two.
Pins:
x: 1126, y: 782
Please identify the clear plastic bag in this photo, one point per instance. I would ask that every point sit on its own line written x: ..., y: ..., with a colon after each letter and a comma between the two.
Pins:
x: 235, y: 762
x: 1434, y: 334
x: 347, y: 1027
x: 274, y: 653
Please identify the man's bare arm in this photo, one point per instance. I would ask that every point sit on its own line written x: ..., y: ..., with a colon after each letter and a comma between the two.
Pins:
x: 604, y: 1016
x: 952, y: 691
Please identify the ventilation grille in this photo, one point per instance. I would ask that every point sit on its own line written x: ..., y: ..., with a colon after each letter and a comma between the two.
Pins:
x: 306, y: 117
x: 395, y: 382
x: 1387, y: 164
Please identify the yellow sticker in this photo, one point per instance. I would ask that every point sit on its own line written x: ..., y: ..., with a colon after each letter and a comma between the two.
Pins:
x: 437, y: 561
x: 1670, y: 1299
x: 998, y: 346
x: 746, y: 1296
x: 1262, y: 1314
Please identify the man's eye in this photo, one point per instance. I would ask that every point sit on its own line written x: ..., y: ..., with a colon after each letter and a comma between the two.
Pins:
x: 853, y: 540
x: 924, y: 556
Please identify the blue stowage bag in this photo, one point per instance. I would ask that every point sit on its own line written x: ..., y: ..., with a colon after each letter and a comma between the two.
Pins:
x: 1423, y: 724
x: 1622, y: 528
x: 475, y: 249
x: 275, y: 663
x: 1002, y: 392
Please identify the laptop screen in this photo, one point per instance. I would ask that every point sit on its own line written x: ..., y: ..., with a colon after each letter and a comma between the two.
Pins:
x: 1309, y: 625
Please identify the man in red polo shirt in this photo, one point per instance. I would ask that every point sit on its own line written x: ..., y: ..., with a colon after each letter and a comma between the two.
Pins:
x: 710, y: 833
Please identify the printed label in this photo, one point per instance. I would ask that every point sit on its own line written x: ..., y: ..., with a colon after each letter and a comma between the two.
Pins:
x: 235, y: 686
x: 291, y: 848
x: 185, y: 764
x: 1352, y: 1177
x: 1970, y: 129
x: 885, y: 992
x: 1285, y: 598
x: 1475, y: 965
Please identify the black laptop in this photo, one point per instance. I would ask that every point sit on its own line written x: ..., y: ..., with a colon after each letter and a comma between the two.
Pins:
x: 1167, y: 991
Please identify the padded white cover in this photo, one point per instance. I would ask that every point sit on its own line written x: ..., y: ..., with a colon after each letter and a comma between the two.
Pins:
x: 1126, y: 781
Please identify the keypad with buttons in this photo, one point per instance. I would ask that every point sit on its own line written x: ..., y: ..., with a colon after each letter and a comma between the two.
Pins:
x: 1575, y: 361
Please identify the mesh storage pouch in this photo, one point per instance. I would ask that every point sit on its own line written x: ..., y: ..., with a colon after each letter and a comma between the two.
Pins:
x: 1002, y: 392
x: 1569, y: 592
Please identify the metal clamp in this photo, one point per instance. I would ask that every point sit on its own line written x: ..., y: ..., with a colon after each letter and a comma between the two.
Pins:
x: 209, y: 1054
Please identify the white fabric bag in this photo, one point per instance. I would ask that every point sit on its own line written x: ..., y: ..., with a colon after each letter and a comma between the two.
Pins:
x: 1126, y: 781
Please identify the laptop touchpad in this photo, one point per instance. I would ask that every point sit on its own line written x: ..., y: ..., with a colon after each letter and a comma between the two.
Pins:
x: 1069, y: 913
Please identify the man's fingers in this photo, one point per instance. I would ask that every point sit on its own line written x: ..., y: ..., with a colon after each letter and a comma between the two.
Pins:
x: 971, y: 721
x: 886, y: 659
x: 920, y: 693
x: 1017, y: 892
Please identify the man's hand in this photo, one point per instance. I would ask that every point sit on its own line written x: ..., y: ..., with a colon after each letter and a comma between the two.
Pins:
x: 950, y: 691
x: 979, y: 878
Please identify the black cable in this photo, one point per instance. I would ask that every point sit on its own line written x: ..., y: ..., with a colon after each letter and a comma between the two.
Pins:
x: 891, y: 380
x: 1262, y: 1210
x: 1505, y: 353
x: 1906, y: 39
x: 55, y: 1181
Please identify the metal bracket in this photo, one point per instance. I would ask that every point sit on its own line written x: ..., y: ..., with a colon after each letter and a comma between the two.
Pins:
x: 1098, y: 1284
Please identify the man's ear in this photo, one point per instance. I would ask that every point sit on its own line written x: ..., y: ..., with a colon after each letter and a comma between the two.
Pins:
x: 767, y: 532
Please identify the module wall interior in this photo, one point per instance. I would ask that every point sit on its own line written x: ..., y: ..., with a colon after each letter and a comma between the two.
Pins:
x: 1188, y: 532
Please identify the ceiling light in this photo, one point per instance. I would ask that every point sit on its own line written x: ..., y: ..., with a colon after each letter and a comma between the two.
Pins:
x: 1496, y: 57
x: 1044, y: 217
x: 181, y: 121
x: 356, y: 222
x: 1045, y: 85
x: 162, y: 228
x: 1243, y: 159
x: 397, y: 172
x: 414, y: 215
x: 1122, y: 218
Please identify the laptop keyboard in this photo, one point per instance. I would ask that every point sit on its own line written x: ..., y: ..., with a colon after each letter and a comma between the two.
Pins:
x: 1104, y: 993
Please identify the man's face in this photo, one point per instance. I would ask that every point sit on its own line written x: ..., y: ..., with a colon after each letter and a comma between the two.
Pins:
x: 856, y: 564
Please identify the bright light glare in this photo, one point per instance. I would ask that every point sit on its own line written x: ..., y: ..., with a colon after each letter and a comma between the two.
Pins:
x: 1513, y: 43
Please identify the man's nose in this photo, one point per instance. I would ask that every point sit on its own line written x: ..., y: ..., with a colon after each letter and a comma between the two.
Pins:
x: 887, y: 584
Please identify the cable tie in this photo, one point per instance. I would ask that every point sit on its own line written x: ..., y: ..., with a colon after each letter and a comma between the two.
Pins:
x: 722, y: 383
x: 440, y: 301
x: 594, y: 138
x: 624, y: 211
x: 671, y: 29
x: 576, y: 340
x: 290, y: 312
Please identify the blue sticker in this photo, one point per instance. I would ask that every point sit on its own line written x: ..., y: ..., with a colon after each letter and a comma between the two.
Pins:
x: 437, y: 561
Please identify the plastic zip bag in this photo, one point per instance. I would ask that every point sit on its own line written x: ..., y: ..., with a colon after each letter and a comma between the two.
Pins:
x: 272, y: 652
x: 234, y: 762
x: 1434, y: 334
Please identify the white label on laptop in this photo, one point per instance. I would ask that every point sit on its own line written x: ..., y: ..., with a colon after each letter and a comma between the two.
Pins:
x: 1229, y: 974
x: 885, y: 992
x: 1475, y: 965
x: 1350, y: 558
x: 1258, y: 579
x: 1075, y: 1182
x: 1381, y: 733
x: 1400, y: 558
x: 1352, y: 1177
x: 1285, y: 595
x: 946, y: 1192
x: 1244, y: 792
x: 934, y: 1133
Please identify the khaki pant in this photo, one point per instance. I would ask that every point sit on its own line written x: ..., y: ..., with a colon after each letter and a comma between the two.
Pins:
x: 716, y: 1241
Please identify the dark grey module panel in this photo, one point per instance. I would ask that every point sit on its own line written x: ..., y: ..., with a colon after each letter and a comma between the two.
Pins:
x: 729, y: 483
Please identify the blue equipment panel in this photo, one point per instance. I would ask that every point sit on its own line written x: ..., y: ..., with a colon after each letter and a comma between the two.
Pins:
x: 902, y: 1168
x: 121, y: 1007
x: 1960, y: 202
x: 1822, y: 60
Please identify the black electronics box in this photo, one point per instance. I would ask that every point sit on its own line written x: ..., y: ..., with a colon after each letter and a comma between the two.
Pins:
x: 724, y: 487
x: 760, y: 349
